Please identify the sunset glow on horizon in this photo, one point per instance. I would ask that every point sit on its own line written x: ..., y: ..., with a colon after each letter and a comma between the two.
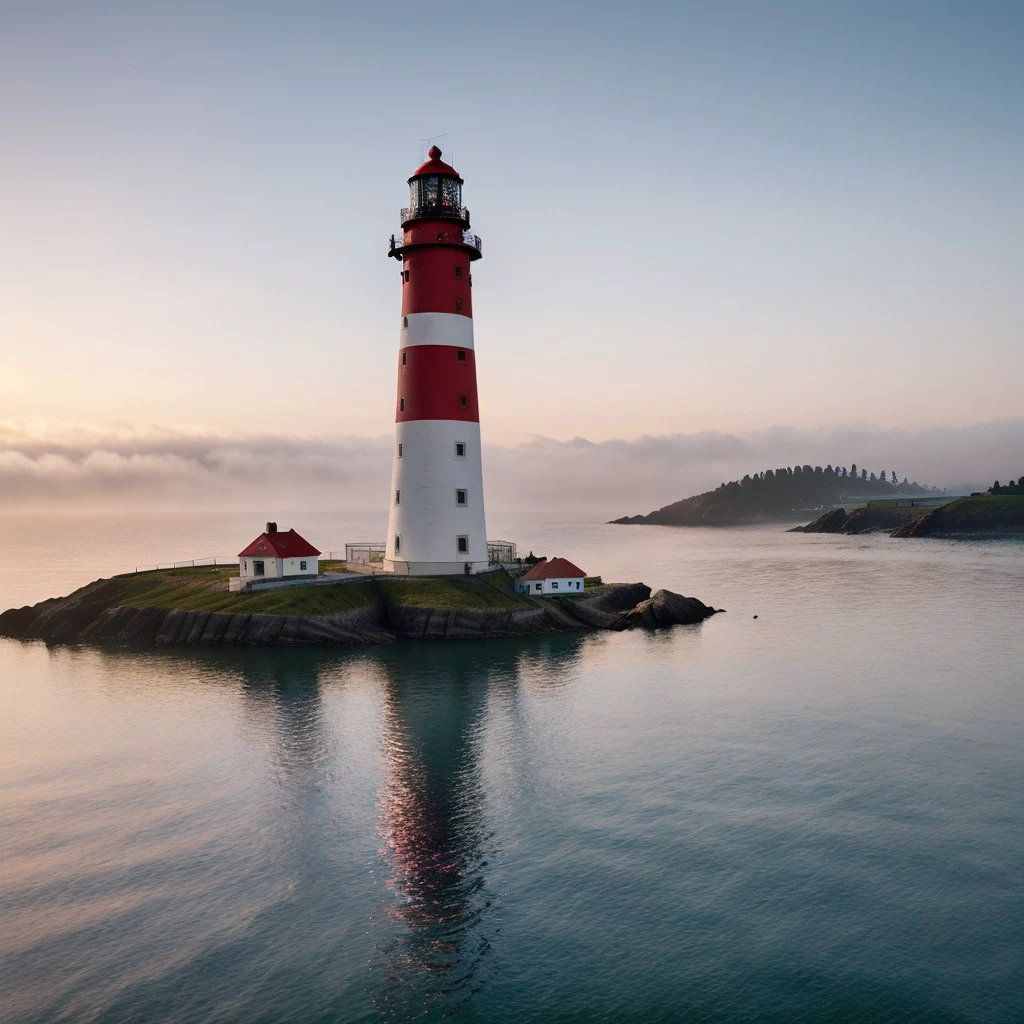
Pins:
x: 692, y: 221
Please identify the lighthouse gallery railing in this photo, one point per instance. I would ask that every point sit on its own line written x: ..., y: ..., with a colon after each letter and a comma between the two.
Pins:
x: 468, y: 238
x: 438, y: 212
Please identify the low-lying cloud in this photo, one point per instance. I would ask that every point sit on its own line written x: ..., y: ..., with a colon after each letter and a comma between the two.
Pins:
x: 578, y: 478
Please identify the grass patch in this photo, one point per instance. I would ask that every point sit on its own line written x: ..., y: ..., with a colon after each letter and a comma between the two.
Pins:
x: 488, y: 590
x: 206, y: 589
x: 997, y: 510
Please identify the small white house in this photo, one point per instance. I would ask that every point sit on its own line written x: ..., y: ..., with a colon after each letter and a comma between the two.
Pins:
x: 275, y: 553
x: 552, y: 578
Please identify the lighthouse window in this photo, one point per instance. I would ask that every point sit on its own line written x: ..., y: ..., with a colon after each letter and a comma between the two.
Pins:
x: 399, y: 449
x: 398, y: 497
x: 461, y: 357
x: 458, y: 272
x: 460, y: 497
x: 460, y: 449
x: 405, y: 321
x: 463, y: 543
x: 405, y: 358
x: 463, y: 401
x: 405, y: 275
x: 398, y: 543
x: 401, y: 405
x: 458, y: 305
x: 451, y: 192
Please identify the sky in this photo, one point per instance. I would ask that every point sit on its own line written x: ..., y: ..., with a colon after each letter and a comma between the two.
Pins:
x: 700, y: 220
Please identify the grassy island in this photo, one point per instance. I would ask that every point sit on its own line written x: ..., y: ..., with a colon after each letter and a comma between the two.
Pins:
x: 193, y: 606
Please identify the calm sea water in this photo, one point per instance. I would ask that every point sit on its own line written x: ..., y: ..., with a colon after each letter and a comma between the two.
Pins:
x: 817, y: 815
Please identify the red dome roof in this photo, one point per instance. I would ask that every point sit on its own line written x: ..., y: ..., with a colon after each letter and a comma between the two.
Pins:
x: 435, y: 165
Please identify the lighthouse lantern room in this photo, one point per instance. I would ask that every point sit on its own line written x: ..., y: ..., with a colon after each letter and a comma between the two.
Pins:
x: 436, y: 523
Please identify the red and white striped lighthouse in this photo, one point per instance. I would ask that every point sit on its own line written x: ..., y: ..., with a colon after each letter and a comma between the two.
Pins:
x: 437, y: 521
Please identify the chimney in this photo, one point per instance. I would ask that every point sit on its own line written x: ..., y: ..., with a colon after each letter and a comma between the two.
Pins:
x: 271, y: 527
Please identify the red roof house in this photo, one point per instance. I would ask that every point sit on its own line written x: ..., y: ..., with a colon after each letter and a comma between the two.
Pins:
x: 276, y: 553
x: 552, y: 576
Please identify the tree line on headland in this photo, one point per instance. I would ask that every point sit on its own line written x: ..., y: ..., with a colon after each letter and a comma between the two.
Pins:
x: 1010, y: 489
x: 782, y: 493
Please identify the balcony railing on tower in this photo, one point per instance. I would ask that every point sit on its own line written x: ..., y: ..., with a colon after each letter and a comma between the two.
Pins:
x: 439, y: 211
x: 468, y: 238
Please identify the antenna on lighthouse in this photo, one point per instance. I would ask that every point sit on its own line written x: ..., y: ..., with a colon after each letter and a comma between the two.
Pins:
x: 426, y: 143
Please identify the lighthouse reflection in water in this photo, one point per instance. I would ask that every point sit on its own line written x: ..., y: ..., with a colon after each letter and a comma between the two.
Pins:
x: 434, y: 834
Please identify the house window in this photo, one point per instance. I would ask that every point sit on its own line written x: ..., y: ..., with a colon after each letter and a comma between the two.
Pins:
x: 458, y: 305
x: 245, y: 567
x: 460, y: 356
x: 554, y: 585
x: 398, y: 497
x: 463, y: 545
x: 257, y: 568
x: 458, y: 271
x: 302, y: 566
x: 406, y: 275
x: 405, y: 321
x: 577, y: 584
x: 401, y: 405
x: 463, y: 401
x: 398, y: 543
x: 460, y: 496
x: 399, y: 449
x: 405, y: 358
x: 460, y: 449
x: 538, y: 587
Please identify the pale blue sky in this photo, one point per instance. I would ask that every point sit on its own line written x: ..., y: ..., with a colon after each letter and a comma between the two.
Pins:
x: 695, y: 216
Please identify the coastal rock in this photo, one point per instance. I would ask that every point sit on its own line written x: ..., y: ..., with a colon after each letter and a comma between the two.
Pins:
x: 665, y: 608
x: 986, y: 516
x: 861, y: 520
x: 832, y: 521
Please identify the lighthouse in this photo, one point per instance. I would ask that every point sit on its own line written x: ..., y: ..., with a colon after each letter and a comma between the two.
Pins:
x: 436, y: 523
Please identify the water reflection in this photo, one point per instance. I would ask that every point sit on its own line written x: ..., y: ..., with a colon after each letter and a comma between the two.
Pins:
x: 439, y: 845
x: 282, y: 705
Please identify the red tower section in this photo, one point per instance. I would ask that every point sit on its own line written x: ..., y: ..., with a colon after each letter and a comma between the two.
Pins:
x: 437, y: 251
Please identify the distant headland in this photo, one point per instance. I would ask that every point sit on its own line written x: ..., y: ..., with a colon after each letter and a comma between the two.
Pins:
x: 997, y: 513
x: 787, y: 493
x: 193, y: 606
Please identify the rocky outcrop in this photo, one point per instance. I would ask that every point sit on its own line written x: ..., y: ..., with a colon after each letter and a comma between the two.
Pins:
x: 861, y: 520
x: 985, y: 516
x: 832, y: 521
x: 977, y: 517
x: 89, y: 616
x: 667, y: 609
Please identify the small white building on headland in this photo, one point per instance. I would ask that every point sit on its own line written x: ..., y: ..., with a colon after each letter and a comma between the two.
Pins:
x: 275, y: 554
x: 554, y: 577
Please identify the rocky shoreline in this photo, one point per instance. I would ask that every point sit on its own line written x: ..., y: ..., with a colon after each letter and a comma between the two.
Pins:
x: 974, y: 518
x: 93, y: 615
